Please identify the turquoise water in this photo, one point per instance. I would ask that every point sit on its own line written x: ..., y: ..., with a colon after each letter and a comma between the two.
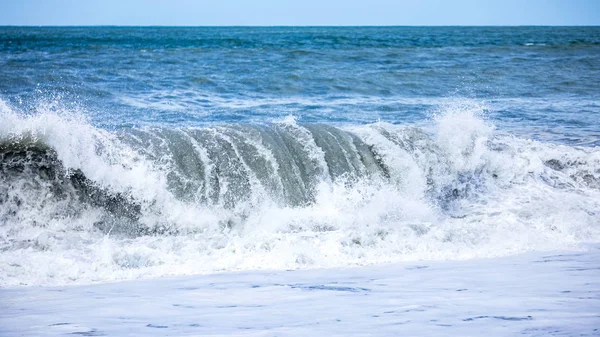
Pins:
x: 539, y: 81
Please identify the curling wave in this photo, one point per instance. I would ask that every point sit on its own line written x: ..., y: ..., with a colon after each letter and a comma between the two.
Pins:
x: 82, y: 204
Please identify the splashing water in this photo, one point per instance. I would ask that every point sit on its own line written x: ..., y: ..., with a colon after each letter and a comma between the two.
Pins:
x: 81, y: 204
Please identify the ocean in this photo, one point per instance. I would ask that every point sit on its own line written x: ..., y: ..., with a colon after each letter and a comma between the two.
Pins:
x: 380, y: 180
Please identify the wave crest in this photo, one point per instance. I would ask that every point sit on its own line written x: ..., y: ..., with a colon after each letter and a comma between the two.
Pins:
x: 81, y: 204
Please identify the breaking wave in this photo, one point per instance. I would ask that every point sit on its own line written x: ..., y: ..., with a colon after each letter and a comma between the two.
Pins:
x: 81, y: 204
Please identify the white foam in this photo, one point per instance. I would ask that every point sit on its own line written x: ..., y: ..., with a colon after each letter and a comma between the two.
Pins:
x: 531, y: 294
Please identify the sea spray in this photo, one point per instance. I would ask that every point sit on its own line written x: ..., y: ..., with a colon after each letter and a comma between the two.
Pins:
x: 81, y: 204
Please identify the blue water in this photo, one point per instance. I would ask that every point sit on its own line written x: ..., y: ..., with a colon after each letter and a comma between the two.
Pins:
x: 540, y: 82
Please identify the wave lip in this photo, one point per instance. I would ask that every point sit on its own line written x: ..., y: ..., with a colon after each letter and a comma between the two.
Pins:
x: 81, y: 204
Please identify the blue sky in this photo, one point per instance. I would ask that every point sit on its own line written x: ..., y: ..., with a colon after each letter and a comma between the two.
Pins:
x: 299, y: 12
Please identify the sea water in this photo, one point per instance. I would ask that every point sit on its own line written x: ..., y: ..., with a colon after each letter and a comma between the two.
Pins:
x: 357, y: 155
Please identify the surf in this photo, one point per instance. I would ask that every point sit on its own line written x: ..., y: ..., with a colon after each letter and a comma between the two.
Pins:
x: 83, y: 204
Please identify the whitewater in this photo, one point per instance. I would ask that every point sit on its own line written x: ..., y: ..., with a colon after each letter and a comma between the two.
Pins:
x: 81, y: 204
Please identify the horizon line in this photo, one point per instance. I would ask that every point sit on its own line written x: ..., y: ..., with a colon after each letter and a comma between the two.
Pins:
x: 288, y: 26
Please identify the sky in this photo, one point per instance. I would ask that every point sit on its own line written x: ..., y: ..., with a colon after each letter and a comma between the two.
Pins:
x: 299, y: 12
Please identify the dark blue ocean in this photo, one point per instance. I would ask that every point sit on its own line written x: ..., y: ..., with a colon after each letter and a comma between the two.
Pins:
x: 542, y: 81
x: 131, y: 152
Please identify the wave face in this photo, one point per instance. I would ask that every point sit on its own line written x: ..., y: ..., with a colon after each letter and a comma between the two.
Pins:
x: 82, y: 204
